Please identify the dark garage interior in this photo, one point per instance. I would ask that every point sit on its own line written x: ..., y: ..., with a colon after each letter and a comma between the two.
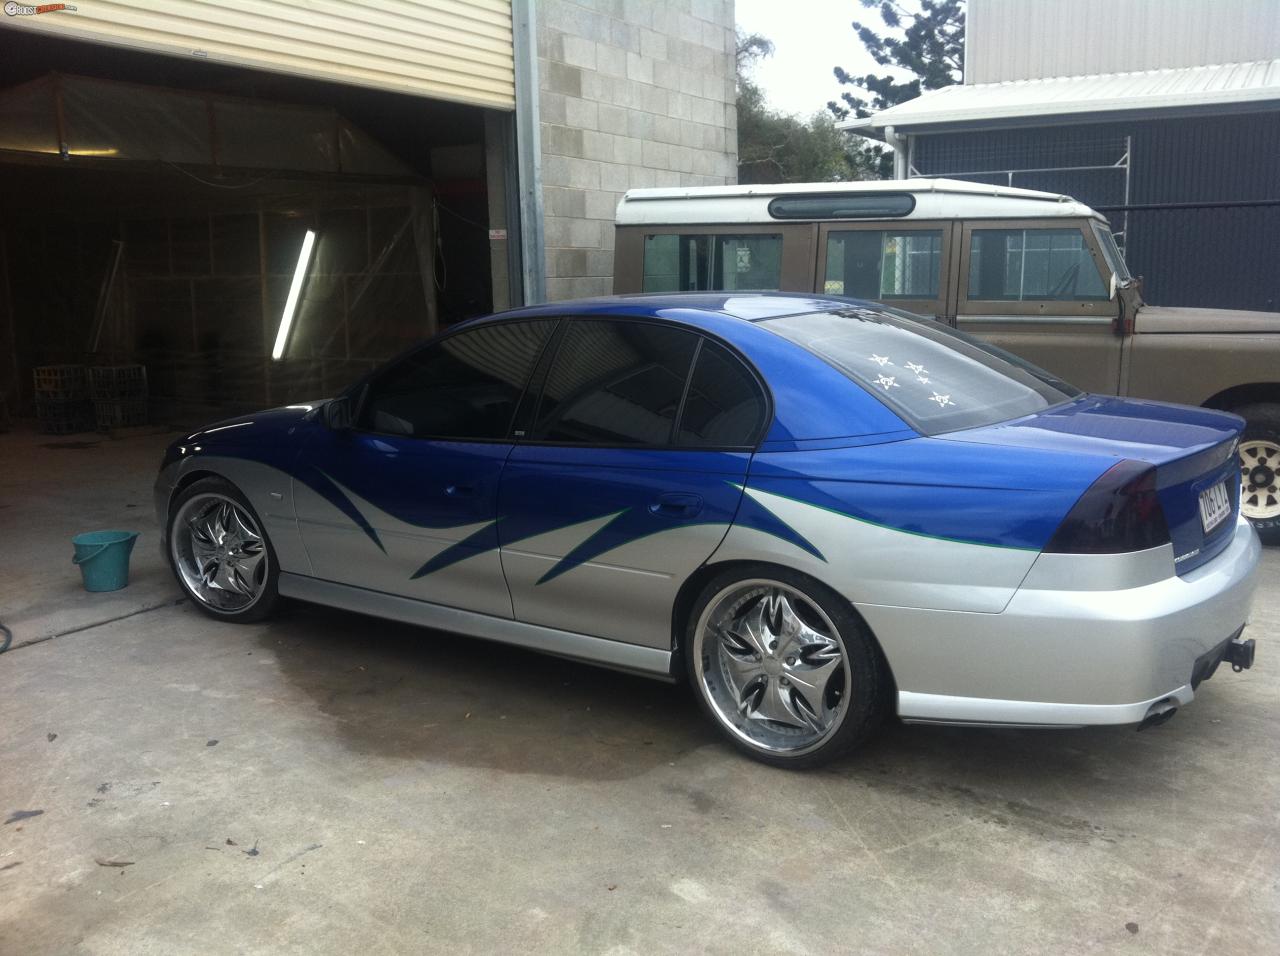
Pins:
x: 157, y: 219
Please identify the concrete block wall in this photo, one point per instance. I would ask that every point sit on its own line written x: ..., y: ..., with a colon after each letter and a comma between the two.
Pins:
x: 633, y: 93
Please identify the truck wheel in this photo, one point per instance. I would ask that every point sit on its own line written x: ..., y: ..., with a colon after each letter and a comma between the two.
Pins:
x: 1260, y: 469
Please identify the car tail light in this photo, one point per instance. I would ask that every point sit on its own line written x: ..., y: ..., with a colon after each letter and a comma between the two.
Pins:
x: 1120, y: 512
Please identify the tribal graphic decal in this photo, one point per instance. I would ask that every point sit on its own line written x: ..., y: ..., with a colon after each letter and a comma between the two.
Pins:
x: 623, y: 527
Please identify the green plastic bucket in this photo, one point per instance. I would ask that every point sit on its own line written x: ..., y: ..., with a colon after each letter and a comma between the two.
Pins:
x: 103, y: 557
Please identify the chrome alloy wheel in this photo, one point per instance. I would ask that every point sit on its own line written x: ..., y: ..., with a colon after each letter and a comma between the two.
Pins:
x: 773, y: 666
x: 1260, y: 479
x: 219, y: 551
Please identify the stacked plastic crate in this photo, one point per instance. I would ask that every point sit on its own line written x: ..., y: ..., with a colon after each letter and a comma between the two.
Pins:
x: 119, y: 395
x: 62, y: 399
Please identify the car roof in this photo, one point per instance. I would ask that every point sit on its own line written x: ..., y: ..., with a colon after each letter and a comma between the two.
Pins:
x: 749, y: 306
x: 811, y: 413
x: 933, y: 199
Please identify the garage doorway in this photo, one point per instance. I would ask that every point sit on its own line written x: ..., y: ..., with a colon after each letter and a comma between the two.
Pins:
x: 157, y: 210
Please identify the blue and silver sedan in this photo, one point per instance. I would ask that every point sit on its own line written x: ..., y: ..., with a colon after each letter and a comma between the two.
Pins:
x: 819, y: 512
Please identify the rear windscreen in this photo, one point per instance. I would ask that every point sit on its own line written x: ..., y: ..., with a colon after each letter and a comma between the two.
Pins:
x: 935, y: 378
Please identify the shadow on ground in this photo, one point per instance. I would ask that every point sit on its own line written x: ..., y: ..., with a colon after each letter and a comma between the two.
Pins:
x: 396, y: 690
x: 399, y: 691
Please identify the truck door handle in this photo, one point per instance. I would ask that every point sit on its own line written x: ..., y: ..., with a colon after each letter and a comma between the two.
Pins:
x: 462, y: 489
x: 678, y: 506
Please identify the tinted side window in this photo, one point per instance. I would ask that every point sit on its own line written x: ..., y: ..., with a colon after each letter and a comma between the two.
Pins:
x: 724, y: 407
x: 1018, y: 265
x: 676, y: 263
x: 465, y: 386
x: 884, y: 264
x: 615, y: 383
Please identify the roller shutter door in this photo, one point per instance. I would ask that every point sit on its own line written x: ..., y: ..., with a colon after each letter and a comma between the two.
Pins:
x: 458, y: 50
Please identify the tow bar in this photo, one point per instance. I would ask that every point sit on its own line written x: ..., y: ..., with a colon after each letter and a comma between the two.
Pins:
x: 1239, y: 655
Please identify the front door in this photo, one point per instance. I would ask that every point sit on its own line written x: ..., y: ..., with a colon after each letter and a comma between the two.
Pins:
x: 1041, y: 290
x: 630, y: 474
x: 405, y: 502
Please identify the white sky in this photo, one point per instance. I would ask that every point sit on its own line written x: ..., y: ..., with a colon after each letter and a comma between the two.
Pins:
x: 810, y: 38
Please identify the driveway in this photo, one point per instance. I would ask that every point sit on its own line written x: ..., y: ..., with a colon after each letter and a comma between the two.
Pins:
x: 327, y: 783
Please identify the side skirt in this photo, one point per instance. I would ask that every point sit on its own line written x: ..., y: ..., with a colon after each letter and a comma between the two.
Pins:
x: 646, y: 661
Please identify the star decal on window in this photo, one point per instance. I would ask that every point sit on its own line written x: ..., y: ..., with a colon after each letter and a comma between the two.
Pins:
x: 942, y: 400
x: 918, y: 369
x: 881, y: 360
x: 886, y: 382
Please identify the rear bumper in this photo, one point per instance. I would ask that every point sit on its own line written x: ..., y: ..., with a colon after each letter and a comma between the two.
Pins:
x: 1070, y: 657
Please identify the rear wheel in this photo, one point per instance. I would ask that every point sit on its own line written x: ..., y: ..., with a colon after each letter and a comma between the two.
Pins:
x: 1260, y: 469
x: 784, y: 667
x: 220, y: 552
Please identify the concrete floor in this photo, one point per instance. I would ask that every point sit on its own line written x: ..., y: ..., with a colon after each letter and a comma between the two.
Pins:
x: 327, y: 783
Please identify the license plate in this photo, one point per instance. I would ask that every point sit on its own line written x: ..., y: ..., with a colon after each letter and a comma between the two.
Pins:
x: 1215, y: 505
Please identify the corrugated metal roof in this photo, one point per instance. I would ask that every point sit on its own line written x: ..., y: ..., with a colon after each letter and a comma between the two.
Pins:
x: 1008, y: 40
x: 1226, y: 84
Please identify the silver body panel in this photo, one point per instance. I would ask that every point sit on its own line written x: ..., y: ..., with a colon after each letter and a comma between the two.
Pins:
x: 626, y: 594
x: 340, y: 551
x: 1062, y: 654
x: 649, y: 661
x: 268, y: 489
x: 871, y: 564
x: 973, y: 634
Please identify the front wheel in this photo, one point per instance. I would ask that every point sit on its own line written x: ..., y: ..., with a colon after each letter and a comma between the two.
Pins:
x: 1260, y: 469
x: 220, y: 552
x: 784, y: 667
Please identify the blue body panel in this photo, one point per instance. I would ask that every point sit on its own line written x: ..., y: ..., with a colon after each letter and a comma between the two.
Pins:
x: 613, y: 530
x: 1192, y: 449
x: 434, y: 485
x: 646, y: 491
x: 991, y: 496
x: 830, y: 444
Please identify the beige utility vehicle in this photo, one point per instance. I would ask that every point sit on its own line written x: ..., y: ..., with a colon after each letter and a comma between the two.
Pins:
x: 1035, y: 273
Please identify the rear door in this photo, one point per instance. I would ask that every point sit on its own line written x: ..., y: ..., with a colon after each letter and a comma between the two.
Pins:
x: 627, y: 478
x: 1041, y: 289
x: 902, y: 264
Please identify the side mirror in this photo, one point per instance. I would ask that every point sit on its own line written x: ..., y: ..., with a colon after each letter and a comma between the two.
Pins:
x: 337, y: 413
x: 1115, y: 286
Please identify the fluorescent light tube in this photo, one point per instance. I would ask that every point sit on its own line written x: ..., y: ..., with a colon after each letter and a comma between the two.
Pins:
x: 295, y: 289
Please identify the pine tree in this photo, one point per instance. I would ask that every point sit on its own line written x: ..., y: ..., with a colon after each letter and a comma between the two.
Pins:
x: 931, y: 48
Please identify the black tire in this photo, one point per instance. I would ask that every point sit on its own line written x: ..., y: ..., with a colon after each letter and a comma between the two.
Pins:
x: 267, y: 597
x: 860, y: 710
x: 1262, y: 424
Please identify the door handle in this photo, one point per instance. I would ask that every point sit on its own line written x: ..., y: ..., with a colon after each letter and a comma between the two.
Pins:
x: 678, y: 506
x: 462, y: 489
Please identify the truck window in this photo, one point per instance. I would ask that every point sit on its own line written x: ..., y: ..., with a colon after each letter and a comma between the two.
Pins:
x: 712, y: 263
x: 884, y: 264
x: 1019, y: 265
x: 1111, y: 252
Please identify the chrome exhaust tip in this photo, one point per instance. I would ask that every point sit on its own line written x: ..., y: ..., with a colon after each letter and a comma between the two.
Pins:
x: 1158, y: 713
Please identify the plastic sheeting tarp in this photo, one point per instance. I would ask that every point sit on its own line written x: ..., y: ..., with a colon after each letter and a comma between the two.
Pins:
x: 75, y: 116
